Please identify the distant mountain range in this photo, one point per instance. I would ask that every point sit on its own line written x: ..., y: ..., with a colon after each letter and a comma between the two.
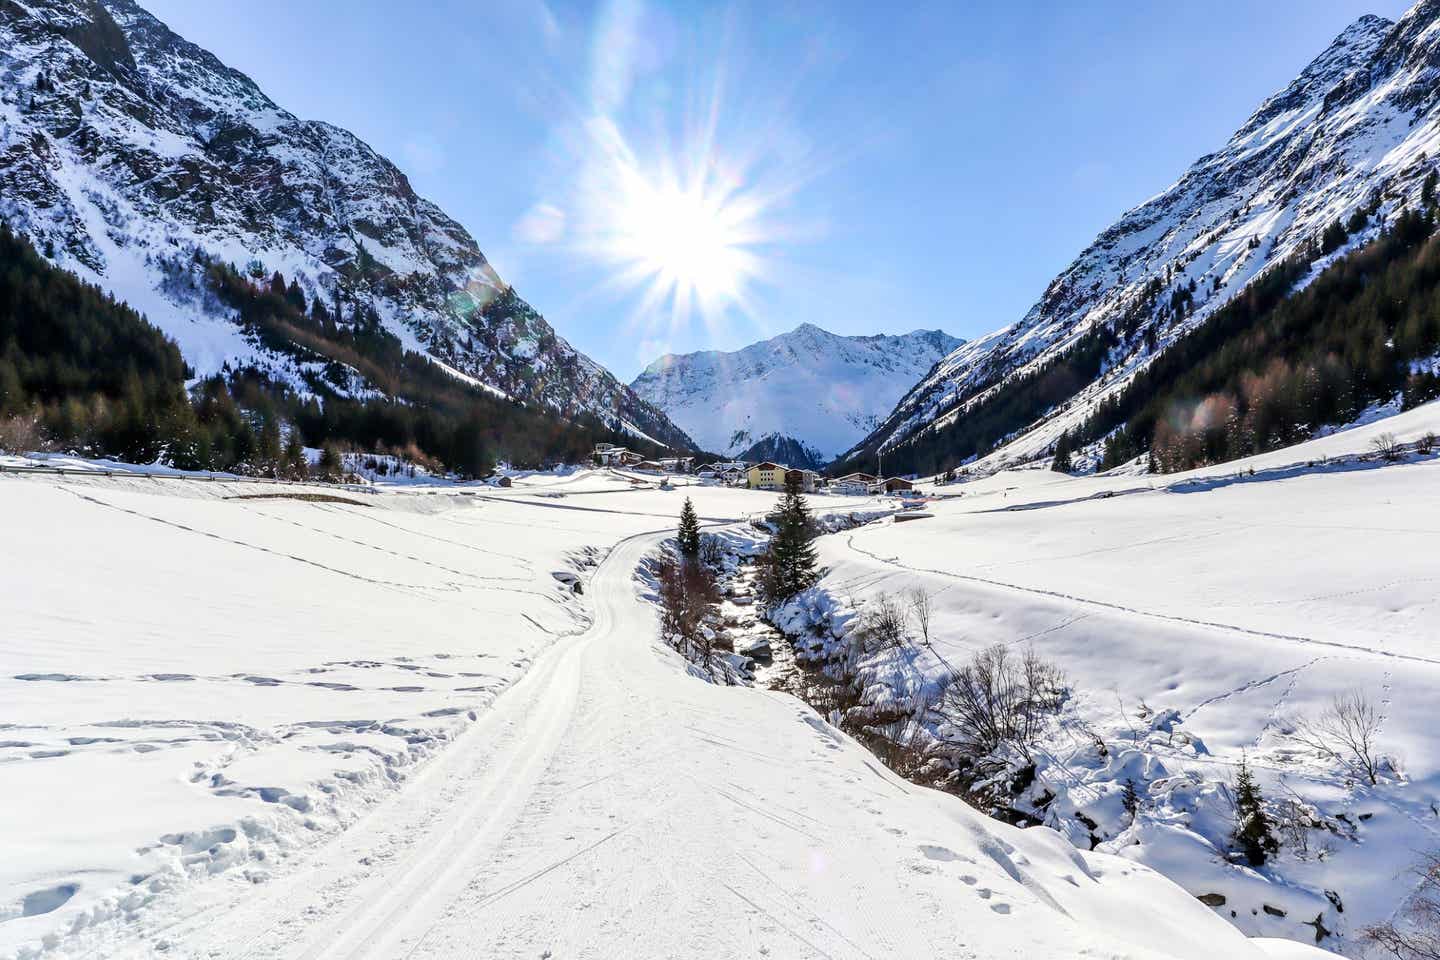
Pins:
x: 132, y: 157
x: 802, y: 397
x: 1358, y: 131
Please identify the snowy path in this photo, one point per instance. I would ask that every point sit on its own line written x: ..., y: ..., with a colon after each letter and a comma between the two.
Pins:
x: 610, y: 805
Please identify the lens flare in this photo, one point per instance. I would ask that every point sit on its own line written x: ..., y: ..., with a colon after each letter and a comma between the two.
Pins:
x: 686, y: 231
x: 671, y: 180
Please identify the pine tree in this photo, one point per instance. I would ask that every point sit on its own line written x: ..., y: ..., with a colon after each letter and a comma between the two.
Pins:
x: 1333, y: 238
x: 268, y: 457
x: 295, y: 465
x: 1252, y: 826
x: 1061, y: 463
x: 789, y: 564
x: 689, y: 535
x: 330, y: 462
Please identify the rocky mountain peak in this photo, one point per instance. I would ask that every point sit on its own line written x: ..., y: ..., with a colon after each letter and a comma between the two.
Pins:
x: 128, y: 153
x: 806, y: 394
x: 1357, y: 130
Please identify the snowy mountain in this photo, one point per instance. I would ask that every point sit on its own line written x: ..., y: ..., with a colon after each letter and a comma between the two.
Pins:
x: 807, y: 390
x: 131, y: 156
x: 1357, y: 130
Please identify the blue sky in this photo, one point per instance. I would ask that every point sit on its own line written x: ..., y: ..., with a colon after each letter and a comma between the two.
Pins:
x: 864, y: 167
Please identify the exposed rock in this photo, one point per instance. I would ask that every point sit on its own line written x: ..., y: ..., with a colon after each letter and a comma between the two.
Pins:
x: 125, y: 150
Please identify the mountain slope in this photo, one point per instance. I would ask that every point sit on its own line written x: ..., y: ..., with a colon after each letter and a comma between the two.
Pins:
x: 1357, y: 130
x: 809, y: 387
x: 129, y: 155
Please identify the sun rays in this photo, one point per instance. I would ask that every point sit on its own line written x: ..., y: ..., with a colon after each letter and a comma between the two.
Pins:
x: 675, y: 185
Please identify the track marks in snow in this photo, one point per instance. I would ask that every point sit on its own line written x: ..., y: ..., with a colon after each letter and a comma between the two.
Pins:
x: 1251, y: 685
x: 365, y: 545
x: 475, y: 580
x: 1134, y: 611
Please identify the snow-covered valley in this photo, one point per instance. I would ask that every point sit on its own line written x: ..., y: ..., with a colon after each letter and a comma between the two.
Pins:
x: 1200, y: 619
x: 290, y: 727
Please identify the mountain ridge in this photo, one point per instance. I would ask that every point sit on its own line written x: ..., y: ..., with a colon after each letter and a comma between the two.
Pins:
x: 1356, y: 130
x: 128, y: 153
x: 804, y: 390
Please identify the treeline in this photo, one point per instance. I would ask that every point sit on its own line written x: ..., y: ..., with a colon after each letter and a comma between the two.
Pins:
x: 1270, y: 367
x: 1011, y: 406
x: 78, y: 366
x: 83, y: 372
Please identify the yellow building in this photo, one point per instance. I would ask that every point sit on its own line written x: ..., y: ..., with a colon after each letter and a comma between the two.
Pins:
x: 766, y: 476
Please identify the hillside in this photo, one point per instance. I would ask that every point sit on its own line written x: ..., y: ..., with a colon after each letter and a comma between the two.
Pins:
x: 808, y: 393
x: 134, y: 158
x: 1346, y: 146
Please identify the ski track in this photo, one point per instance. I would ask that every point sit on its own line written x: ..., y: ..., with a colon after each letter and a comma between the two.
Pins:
x: 499, y: 843
x: 1134, y: 611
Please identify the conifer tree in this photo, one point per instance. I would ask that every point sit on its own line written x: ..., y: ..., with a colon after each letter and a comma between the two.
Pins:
x: 789, y: 564
x: 1061, y: 463
x: 1252, y: 826
x: 330, y: 462
x: 689, y: 535
x: 295, y: 465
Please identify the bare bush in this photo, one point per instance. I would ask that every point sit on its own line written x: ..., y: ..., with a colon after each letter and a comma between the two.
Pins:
x: 1427, y: 443
x: 689, y: 609
x: 21, y: 434
x: 998, y: 701
x: 712, y: 551
x: 922, y: 609
x: 1345, y: 732
x: 1294, y: 819
x: 884, y: 623
x: 1386, y: 446
x: 1417, y: 934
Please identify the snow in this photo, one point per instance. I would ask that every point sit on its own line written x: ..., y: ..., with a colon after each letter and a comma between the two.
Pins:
x: 113, y: 201
x: 824, y: 390
x: 310, y: 727
x: 1197, y: 616
x: 1356, y: 124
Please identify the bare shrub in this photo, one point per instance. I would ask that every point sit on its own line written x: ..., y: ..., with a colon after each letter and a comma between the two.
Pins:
x: 21, y: 434
x: 689, y: 609
x: 997, y: 700
x: 922, y: 610
x: 1427, y: 443
x: 1294, y: 819
x: 884, y: 623
x: 1386, y: 446
x: 712, y: 551
x: 1417, y: 935
x: 1345, y: 732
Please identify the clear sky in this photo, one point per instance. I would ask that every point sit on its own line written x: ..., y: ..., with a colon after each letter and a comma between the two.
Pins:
x: 690, y: 176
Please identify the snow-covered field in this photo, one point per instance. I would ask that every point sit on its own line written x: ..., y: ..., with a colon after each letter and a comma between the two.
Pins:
x: 1240, y: 597
x: 199, y: 690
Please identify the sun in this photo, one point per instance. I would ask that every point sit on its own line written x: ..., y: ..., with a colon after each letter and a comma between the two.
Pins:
x: 684, y: 239
x: 685, y: 226
x: 689, y: 242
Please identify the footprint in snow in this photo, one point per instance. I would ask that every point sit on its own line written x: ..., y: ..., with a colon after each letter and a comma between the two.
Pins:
x: 41, y: 901
x: 932, y: 852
